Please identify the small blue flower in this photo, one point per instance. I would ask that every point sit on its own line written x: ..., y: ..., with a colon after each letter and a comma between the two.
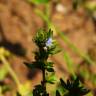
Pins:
x: 49, y: 42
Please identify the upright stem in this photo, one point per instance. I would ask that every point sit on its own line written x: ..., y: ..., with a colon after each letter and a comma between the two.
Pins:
x: 44, y: 81
x: 43, y: 59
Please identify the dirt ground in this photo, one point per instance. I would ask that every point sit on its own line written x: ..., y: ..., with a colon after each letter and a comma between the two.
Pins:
x: 19, y: 23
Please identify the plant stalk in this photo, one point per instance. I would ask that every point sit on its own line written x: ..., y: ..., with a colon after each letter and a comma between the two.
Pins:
x: 44, y: 81
x: 12, y: 73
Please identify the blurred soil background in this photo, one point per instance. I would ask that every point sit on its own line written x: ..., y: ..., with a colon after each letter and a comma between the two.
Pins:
x: 18, y: 25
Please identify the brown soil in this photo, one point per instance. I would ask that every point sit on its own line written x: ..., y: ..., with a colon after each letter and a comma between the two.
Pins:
x: 18, y: 24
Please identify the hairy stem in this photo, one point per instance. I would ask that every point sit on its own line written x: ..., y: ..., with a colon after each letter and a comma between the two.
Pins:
x: 44, y: 60
x: 44, y: 81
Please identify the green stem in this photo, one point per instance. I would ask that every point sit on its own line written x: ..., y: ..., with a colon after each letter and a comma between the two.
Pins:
x: 44, y: 59
x: 69, y: 63
x: 44, y: 81
x: 12, y: 73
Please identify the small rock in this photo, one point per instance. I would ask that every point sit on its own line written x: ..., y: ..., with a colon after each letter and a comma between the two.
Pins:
x: 61, y: 8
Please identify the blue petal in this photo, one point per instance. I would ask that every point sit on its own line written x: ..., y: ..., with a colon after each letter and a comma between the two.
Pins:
x: 49, y: 42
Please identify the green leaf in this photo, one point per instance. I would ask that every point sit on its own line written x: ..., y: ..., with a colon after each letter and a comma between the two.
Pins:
x: 69, y: 62
x: 63, y: 83
x: 3, y: 72
x: 6, y: 88
x: 24, y: 90
x: 91, y: 5
x: 35, y: 65
x: 57, y: 93
x: 38, y: 90
x: 1, y: 91
x: 74, y: 87
x: 50, y: 33
x: 42, y: 36
x: 38, y: 1
x: 54, y: 48
x: 49, y: 67
x: 89, y: 94
x: 31, y: 66
x: 51, y: 79
x: 77, y: 3
x: 18, y: 94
